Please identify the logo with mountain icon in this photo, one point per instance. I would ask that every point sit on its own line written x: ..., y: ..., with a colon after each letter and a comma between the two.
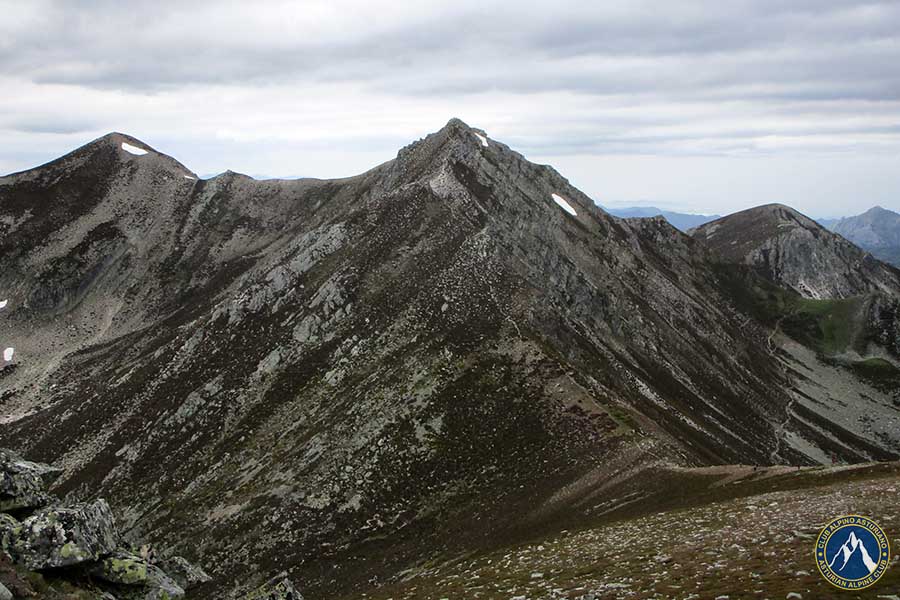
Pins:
x: 852, y: 552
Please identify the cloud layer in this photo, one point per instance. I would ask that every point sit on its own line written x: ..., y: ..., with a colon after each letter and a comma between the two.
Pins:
x: 605, y: 89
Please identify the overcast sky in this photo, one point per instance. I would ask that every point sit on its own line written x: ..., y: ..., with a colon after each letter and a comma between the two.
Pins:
x: 707, y: 106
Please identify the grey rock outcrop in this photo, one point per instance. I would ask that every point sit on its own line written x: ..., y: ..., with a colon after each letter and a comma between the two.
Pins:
x: 64, y: 536
x: 5, y: 594
x: 23, y: 483
x: 11, y: 461
x: 79, y: 539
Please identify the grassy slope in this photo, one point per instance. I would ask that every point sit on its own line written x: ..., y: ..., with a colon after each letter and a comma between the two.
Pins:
x: 830, y: 327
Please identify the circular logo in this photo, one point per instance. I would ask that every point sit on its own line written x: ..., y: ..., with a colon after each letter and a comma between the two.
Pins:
x: 852, y: 552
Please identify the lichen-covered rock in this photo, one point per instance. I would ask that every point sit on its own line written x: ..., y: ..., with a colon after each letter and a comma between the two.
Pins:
x: 23, y: 484
x: 133, y: 571
x: 59, y: 537
x: 47, y: 473
x: 9, y: 529
x: 279, y: 587
x: 184, y: 573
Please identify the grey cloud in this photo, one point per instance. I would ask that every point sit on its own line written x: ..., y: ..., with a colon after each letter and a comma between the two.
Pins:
x: 694, y: 77
x: 130, y: 46
x: 59, y: 125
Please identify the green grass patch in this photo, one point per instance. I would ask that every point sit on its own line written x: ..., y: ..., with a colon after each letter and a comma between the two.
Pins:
x: 829, y: 326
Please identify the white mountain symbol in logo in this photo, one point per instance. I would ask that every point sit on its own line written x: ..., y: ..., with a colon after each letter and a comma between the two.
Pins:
x: 849, y: 548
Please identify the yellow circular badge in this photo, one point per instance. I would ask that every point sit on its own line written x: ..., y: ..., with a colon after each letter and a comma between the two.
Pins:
x: 852, y: 552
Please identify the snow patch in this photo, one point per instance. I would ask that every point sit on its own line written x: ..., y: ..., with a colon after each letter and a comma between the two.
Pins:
x: 8, y: 354
x: 189, y: 177
x: 563, y: 204
x: 483, y: 139
x: 3, y: 303
x: 133, y: 149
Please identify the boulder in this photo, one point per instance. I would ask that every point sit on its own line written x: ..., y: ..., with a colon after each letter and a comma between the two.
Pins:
x: 184, y: 573
x: 47, y: 473
x: 277, y: 588
x: 5, y: 594
x: 60, y: 537
x: 142, y: 580
x: 23, y: 484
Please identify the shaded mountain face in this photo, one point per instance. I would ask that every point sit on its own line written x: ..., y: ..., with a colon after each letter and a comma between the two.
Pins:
x: 343, y: 378
x: 792, y: 250
x: 681, y: 221
x: 877, y: 231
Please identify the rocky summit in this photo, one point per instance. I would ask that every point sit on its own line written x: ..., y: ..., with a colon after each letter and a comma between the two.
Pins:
x: 342, y: 381
x: 795, y: 251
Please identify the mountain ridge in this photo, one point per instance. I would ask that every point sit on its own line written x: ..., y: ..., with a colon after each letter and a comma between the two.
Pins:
x: 377, y: 363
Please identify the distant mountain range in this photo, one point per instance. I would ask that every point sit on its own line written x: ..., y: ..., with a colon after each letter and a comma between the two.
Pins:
x: 877, y: 231
x: 682, y: 221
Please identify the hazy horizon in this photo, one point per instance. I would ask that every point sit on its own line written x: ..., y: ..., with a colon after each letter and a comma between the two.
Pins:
x: 702, y: 107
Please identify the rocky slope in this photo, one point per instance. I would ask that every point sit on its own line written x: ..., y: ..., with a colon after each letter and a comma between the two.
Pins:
x: 795, y: 251
x: 341, y: 379
x: 877, y: 231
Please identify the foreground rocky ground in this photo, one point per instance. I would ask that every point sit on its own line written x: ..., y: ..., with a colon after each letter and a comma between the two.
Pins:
x: 64, y: 551
x: 756, y: 545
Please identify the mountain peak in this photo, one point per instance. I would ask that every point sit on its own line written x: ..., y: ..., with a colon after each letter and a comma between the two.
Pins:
x: 116, y: 139
x: 879, y: 210
x: 456, y: 123
x: 113, y: 148
x: 793, y: 250
x: 783, y: 211
x: 877, y: 230
x: 455, y: 134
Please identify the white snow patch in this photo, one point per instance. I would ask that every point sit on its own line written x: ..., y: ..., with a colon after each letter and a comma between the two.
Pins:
x: 189, y: 177
x: 3, y: 303
x: 563, y: 204
x: 483, y: 139
x: 133, y: 149
x: 8, y: 354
